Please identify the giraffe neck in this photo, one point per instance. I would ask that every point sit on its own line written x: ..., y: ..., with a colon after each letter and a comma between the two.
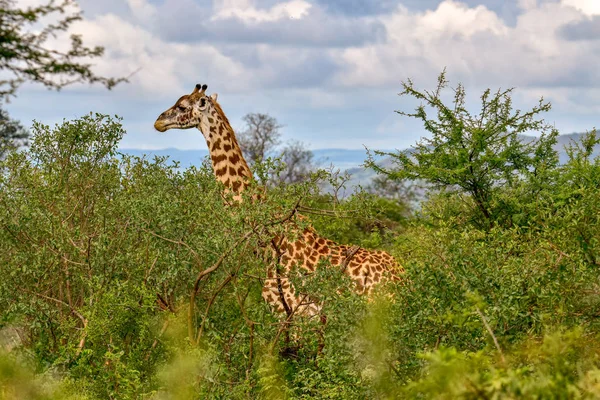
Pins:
x: 228, y: 163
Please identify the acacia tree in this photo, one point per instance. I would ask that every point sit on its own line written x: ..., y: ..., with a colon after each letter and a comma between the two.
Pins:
x: 261, y: 139
x: 26, y: 56
x: 473, y: 154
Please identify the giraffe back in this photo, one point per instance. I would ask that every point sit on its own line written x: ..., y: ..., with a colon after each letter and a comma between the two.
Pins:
x: 366, y: 268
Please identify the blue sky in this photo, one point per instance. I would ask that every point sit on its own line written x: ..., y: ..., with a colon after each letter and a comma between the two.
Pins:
x: 328, y: 70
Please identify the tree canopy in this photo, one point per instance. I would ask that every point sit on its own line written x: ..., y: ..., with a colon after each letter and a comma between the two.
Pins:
x: 26, y: 56
x: 476, y: 154
x: 261, y: 139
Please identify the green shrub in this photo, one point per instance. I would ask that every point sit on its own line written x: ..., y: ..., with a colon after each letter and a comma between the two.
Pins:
x: 129, y: 278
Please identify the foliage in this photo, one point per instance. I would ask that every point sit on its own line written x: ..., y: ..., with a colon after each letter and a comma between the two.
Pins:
x: 18, y: 382
x: 392, y: 189
x: 476, y: 154
x: 26, y: 56
x: 131, y: 278
x: 563, y: 365
x: 12, y: 133
x: 362, y: 218
x: 98, y: 248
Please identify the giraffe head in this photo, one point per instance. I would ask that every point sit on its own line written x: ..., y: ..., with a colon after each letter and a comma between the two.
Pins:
x: 190, y: 111
x: 197, y: 110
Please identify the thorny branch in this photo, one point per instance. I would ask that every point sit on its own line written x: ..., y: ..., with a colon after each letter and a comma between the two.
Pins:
x: 84, y: 320
x: 285, y: 324
x: 206, y: 272
x: 491, y: 332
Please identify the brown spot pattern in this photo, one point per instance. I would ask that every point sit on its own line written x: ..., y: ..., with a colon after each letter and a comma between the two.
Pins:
x: 234, y: 159
x: 221, y: 171
x: 217, y: 159
x: 366, y: 268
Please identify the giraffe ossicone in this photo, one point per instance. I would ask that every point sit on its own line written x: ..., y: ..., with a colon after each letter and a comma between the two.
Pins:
x: 366, y: 268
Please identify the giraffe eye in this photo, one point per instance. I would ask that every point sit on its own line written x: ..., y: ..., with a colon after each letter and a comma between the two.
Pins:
x: 181, y: 108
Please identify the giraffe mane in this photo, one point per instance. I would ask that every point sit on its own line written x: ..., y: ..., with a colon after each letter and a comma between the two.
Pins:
x: 220, y: 111
x: 217, y: 107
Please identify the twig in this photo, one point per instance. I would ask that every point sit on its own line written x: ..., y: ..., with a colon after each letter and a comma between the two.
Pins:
x: 349, y: 254
x: 216, y: 265
x: 162, y: 331
x: 258, y: 278
x: 285, y: 324
x: 330, y: 213
x: 287, y: 217
x: 84, y: 320
x: 250, y: 324
x: 164, y: 304
x: 209, y: 304
x: 179, y: 242
x: 489, y: 329
x: 204, y: 273
x: 561, y: 253
x: 150, y: 270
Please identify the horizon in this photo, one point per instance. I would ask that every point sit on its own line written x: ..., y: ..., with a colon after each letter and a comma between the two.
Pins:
x: 312, y: 149
x: 350, y: 160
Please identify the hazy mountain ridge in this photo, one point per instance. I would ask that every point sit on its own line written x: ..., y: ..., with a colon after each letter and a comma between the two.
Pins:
x: 350, y: 160
x: 340, y: 158
x: 363, y: 176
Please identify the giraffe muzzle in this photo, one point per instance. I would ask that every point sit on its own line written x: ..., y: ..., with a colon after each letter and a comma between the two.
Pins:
x: 160, y: 126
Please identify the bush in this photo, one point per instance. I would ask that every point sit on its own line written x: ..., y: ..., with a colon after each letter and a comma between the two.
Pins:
x: 129, y: 278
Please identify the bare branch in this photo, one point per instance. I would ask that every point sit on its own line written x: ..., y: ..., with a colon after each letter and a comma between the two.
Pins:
x: 491, y: 332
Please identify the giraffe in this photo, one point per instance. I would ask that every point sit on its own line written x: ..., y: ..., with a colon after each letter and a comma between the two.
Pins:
x: 298, y: 247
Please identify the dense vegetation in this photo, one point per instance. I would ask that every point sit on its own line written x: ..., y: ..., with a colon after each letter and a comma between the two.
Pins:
x: 129, y: 278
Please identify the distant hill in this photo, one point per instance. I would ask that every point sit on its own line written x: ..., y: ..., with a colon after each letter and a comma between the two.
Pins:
x: 344, y: 159
x: 363, y: 176
x: 564, y: 140
x: 340, y: 158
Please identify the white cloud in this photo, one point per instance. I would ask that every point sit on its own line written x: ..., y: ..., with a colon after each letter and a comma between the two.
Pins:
x: 319, y: 78
x: 422, y: 44
x: 588, y: 7
x: 477, y: 47
x: 30, y: 3
x: 455, y: 18
x: 314, y: 98
x: 161, y: 67
x: 142, y: 10
x: 246, y: 11
x: 527, y: 4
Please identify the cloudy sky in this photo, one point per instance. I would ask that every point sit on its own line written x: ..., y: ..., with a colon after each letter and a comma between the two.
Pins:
x: 328, y: 70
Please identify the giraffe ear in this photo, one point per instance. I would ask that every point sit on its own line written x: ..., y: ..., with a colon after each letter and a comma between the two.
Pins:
x: 214, y: 96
